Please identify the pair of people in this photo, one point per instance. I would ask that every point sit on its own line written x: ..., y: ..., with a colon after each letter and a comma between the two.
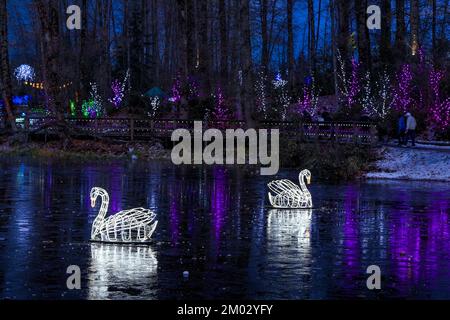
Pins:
x: 407, y: 129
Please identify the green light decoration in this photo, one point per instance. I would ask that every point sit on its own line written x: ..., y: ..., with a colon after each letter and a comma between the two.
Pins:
x: 73, y: 108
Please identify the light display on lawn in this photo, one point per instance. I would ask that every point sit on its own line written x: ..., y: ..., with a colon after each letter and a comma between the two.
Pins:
x: 134, y: 225
x: 94, y: 106
x: 24, y: 72
x: 118, y: 89
x: 287, y: 194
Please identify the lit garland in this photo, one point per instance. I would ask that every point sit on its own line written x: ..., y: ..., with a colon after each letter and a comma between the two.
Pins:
x: 24, y: 72
x: 402, y: 92
x: 310, y: 99
x: 283, y: 96
x: 40, y: 85
x: 261, y: 93
x: 118, y: 89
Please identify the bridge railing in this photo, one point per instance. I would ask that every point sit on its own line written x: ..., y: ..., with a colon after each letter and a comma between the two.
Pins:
x: 130, y: 128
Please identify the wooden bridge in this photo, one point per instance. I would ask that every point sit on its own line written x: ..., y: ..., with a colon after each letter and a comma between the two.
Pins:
x: 144, y: 129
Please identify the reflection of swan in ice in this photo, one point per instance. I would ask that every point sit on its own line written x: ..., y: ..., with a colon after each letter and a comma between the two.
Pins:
x: 134, y: 225
x: 289, y: 195
x: 289, y: 224
x: 120, y: 271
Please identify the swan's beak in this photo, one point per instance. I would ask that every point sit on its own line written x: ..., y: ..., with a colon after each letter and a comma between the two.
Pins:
x: 308, y: 180
x: 93, y: 203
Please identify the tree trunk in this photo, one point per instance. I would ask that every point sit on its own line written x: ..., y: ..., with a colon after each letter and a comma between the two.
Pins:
x: 400, y: 29
x: 5, y: 72
x: 343, y: 27
x: 385, y: 41
x: 311, y: 37
x: 223, y: 41
x: 204, y: 49
x: 290, y: 48
x: 363, y: 34
x: 49, y: 20
x: 264, y: 35
x: 433, y: 30
x: 415, y: 22
x: 246, y: 62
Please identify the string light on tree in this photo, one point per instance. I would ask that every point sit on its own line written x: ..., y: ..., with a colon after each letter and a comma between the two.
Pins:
x: 96, y: 106
x: 402, y: 91
x: 118, y: 89
x: 348, y: 85
x: 439, y: 111
x: 220, y: 112
x: 176, y: 91
x: 261, y: 93
x: 283, y: 96
x: 24, y: 72
x: 309, y: 100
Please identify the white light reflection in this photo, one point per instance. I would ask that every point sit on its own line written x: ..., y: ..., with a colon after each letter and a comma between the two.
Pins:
x: 284, y: 225
x: 121, y: 271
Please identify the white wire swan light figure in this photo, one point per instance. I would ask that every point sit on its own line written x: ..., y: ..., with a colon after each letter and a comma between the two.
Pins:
x: 289, y: 195
x: 134, y: 225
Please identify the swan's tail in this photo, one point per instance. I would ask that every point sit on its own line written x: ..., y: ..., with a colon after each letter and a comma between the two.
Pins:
x: 271, y: 200
x: 151, y: 229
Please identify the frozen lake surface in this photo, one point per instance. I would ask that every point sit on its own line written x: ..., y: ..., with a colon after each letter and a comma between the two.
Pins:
x: 216, y: 224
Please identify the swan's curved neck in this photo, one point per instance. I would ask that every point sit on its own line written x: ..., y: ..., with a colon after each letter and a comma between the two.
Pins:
x: 301, y: 179
x: 104, y: 206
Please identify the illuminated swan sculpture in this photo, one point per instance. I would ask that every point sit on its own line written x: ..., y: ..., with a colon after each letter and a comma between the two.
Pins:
x: 134, y: 225
x: 289, y: 195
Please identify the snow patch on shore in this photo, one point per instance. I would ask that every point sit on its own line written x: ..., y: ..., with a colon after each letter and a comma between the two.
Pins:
x: 413, y: 164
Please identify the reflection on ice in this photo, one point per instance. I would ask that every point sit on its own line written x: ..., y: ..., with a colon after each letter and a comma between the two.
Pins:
x: 121, y: 271
x: 283, y: 225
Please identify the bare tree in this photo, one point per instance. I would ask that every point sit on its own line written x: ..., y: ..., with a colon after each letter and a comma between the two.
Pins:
x: 385, y: 40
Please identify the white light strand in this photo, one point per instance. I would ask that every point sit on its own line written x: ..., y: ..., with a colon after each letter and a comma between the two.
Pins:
x: 261, y: 93
x: 284, y: 99
x: 134, y: 225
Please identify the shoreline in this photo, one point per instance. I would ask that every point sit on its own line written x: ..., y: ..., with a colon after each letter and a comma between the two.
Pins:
x: 412, y: 164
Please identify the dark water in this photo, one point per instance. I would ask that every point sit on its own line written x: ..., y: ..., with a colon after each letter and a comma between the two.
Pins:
x: 215, y: 223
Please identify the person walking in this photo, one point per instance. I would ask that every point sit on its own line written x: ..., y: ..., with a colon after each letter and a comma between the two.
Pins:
x: 411, y: 125
x: 401, y: 130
